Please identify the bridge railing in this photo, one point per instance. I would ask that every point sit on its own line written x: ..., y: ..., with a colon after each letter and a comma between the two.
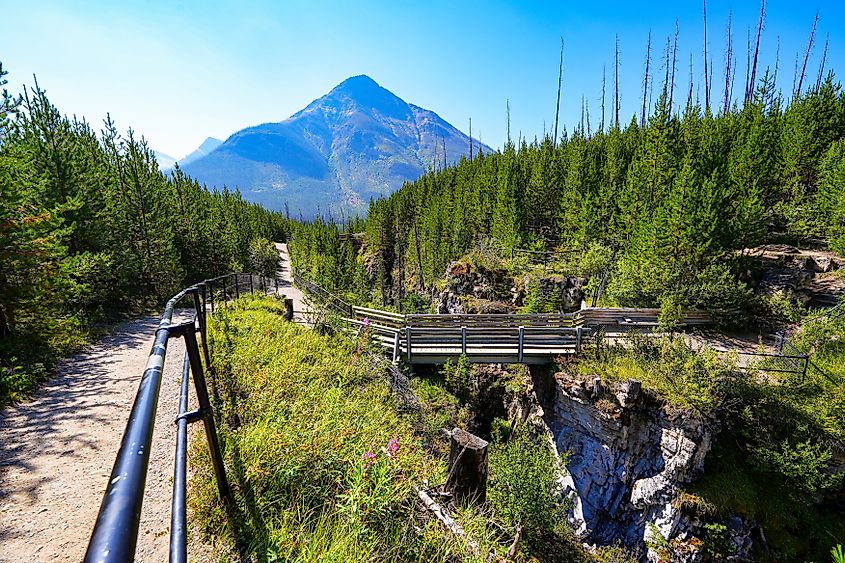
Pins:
x: 115, y: 533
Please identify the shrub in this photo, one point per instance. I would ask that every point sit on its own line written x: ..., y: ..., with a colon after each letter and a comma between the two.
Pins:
x: 524, y: 486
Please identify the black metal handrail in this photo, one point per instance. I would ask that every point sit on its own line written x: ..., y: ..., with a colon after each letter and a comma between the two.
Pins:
x: 115, y: 533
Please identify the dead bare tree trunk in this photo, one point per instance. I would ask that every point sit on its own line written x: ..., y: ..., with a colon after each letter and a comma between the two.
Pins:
x: 603, y: 75
x: 508, y: 108
x: 706, y: 78
x: 666, y: 67
x: 750, y: 92
x: 467, y: 467
x: 587, y: 107
x: 821, y: 66
x: 470, y: 139
x: 674, y: 66
x: 559, y: 84
x: 582, y: 114
x: 691, y: 81
x: 747, y: 63
x: 616, y: 86
x: 729, y: 59
x: 645, y: 81
x: 810, y: 41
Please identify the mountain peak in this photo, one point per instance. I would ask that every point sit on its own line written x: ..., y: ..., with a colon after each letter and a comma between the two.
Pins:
x: 355, y: 143
x: 366, y: 93
x: 361, y: 82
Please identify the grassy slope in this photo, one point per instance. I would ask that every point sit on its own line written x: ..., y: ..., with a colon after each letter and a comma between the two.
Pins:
x: 300, y: 413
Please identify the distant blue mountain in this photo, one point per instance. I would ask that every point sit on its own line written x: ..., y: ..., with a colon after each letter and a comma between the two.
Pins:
x: 204, y: 149
x: 358, y: 141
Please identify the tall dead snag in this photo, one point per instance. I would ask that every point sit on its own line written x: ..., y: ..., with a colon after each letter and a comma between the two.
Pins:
x: 674, y: 66
x: 749, y: 92
x: 810, y: 41
x: 666, y: 67
x: 821, y: 66
x: 582, y: 114
x: 587, y: 108
x: 467, y: 467
x: 559, y: 84
x: 691, y: 81
x: 616, y: 80
x: 706, y: 78
x: 645, y: 82
x: 470, y: 139
x: 729, y: 72
x: 508, y: 107
x: 603, y: 73
x: 748, y: 62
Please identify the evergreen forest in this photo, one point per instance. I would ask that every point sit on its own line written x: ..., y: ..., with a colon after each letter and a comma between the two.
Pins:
x: 671, y: 203
x: 91, y: 231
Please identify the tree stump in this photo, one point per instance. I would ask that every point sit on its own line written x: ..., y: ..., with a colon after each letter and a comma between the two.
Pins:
x: 467, y: 467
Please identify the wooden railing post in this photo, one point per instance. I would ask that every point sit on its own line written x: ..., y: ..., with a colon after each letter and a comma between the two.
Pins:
x: 578, y: 340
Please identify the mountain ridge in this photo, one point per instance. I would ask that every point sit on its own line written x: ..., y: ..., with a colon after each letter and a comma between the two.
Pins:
x: 358, y: 141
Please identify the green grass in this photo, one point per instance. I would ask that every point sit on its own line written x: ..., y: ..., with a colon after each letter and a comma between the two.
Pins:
x: 322, y: 465
x: 685, y: 378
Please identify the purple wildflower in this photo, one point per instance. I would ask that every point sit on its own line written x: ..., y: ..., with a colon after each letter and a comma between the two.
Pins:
x: 393, y: 447
x: 368, y: 458
x: 366, y: 321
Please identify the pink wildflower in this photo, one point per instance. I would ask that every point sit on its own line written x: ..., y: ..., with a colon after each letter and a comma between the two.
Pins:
x: 366, y: 321
x: 393, y: 447
x: 368, y: 458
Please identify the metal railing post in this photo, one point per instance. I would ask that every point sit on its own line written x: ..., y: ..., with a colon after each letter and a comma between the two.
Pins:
x: 396, y: 347
x: 251, y: 288
x: 208, y: 416
x: 224, y: 288
x: 463, y: 340
x: 236, y: 278
x: 202, y: 327
x: 521, y: 342
x: 178, y: 512
x: 408, y: 342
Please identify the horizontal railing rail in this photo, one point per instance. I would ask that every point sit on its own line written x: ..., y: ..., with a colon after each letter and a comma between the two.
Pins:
x: 115, y: 534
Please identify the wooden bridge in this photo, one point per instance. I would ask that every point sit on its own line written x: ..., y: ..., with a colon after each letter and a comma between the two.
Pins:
x: 500, y: 338
x: 490, y: 338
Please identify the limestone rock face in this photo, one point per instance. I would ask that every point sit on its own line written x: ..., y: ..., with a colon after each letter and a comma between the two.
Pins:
x: 629, y: 454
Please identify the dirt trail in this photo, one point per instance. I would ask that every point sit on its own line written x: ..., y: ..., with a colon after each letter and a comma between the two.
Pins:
x: 286, y: 286
x: 57, y: 450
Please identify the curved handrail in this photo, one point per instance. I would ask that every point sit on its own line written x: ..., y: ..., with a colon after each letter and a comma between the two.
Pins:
x: 115, y: 533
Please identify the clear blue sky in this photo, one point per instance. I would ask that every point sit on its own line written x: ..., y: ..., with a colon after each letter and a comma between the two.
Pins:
x: 178, y: 71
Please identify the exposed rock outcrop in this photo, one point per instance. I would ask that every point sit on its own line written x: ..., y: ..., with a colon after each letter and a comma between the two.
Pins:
x: 808, y: 275
x: 629, y: 455
x: 473, y: 289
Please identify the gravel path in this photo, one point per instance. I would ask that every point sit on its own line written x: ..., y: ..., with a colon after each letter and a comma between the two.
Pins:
x: 287, y: 288
x: 57, y: 450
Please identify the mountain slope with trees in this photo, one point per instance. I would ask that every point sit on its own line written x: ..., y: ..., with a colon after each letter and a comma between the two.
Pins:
x: 676, y: 201
x: 90, y: 229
